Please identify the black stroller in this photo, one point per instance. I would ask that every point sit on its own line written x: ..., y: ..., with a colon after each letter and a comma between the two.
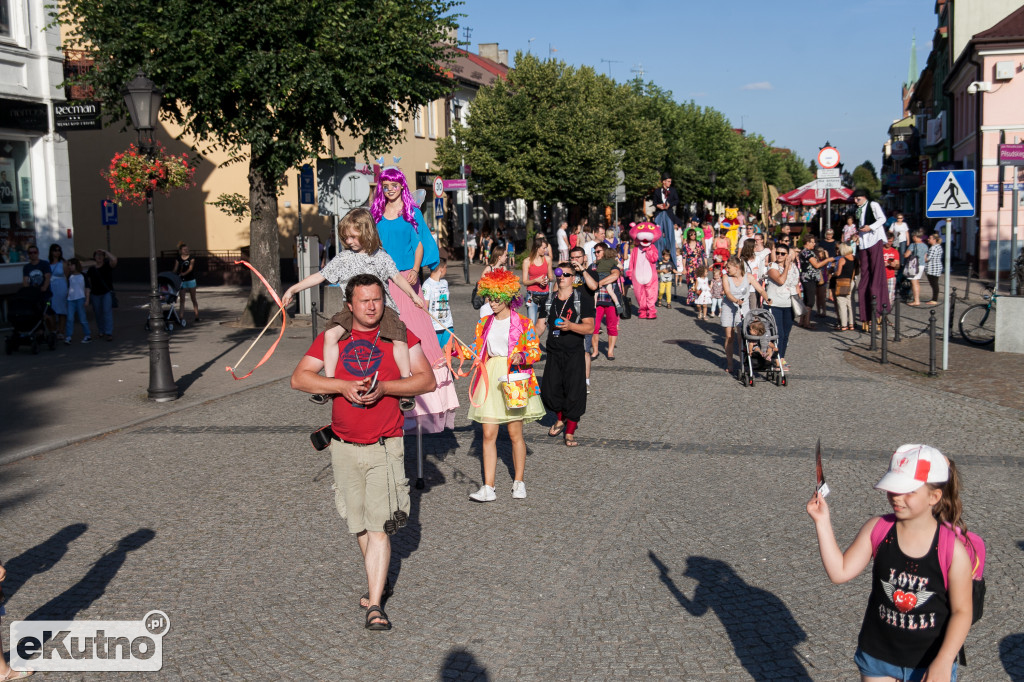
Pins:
x: 168, y: 285
x: 27, y: 309
x: 755, y: 359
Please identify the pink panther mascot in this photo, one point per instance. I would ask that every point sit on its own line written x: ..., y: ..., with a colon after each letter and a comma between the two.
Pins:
x: 641, y: 267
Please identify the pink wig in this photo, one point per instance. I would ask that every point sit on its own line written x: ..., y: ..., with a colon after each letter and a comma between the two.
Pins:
x: 392, y: 174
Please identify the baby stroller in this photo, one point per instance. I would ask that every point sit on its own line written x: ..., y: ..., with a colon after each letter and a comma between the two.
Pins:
x: 168, y: 285
x: 751, y: 361
x: 26, y: 310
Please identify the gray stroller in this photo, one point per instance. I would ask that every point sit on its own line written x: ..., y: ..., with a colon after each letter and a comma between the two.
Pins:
x: 758, y: 358
x: 168, y: 285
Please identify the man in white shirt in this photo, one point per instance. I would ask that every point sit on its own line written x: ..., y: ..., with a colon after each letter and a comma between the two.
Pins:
x: 562, y: 236
x: 870, y: 242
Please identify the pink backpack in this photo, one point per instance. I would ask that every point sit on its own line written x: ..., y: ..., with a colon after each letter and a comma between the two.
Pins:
x: 975, y: 547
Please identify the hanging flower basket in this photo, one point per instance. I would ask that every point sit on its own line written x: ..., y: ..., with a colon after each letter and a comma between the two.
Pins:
x: 132, y: 174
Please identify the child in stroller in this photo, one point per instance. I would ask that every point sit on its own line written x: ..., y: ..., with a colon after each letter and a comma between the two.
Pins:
x: 168, y: 287
x: 26, y: 310
x: 758, y: 348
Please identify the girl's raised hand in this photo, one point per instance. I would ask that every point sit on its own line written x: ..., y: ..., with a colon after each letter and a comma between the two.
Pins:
x: 817, y: 508
x: 419, y: 303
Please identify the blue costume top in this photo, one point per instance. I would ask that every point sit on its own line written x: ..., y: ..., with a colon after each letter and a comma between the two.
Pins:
x: 399, y: 239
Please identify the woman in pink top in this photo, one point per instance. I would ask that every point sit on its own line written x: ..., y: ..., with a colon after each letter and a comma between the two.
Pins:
x: 537, y: 273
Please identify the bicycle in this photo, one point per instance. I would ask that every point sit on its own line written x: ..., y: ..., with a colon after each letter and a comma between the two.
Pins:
x: 978, y: 323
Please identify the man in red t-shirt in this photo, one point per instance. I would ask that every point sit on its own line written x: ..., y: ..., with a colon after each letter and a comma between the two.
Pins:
x: 891, y: 256
x: 367, y: 454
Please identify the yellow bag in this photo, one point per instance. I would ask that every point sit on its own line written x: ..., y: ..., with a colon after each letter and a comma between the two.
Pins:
x: 516, y: 390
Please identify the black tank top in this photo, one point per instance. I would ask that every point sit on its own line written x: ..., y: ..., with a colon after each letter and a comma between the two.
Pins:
x: 908, y: 609
x: 183, y: 264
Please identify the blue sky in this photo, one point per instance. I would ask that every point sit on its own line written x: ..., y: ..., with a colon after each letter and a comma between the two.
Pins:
x: 798, y: 72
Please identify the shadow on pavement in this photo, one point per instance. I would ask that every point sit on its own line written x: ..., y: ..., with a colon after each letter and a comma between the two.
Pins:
x: 462, y: 665
x: 1011, y: 650
x: 41, y: 558
x: 407, y: 540
x: 72, y: 601
x: 239, y: 337
x: 705, y: 350
x: 764, y: 643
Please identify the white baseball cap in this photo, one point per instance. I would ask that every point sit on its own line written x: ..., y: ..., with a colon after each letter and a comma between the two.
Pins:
x: 911, y: 467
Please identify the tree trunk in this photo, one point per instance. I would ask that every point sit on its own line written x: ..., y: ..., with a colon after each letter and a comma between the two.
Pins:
x: 264, y: 252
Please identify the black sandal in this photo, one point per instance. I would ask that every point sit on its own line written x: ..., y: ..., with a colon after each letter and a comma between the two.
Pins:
x: 552, y: 432
x: 570, y: 441
x: 371, y: 625
x: 388, y: 591
x: 319, y: 398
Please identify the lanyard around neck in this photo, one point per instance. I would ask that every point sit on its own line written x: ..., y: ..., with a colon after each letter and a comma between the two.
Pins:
x: 372, y: 348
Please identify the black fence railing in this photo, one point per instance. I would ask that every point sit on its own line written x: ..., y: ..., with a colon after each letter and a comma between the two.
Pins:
x: 212, y: 268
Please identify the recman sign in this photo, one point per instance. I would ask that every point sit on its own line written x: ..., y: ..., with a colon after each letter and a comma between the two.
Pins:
x: 76, y: 115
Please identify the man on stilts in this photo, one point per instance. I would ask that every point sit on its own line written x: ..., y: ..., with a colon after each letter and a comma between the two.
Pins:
x: 871, y: 238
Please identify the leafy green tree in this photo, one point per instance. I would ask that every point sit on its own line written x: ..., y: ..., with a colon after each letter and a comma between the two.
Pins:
x: 267, y: 80
x: 539, y: 135
x: 864, y: 178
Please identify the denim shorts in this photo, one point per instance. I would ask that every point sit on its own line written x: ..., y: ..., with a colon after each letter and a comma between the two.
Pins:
x: 872, y: 667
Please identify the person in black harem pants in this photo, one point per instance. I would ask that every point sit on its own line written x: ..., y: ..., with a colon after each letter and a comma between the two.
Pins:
x: 563, y: 388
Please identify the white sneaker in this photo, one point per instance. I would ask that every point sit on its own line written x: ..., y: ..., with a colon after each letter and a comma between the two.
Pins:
x: 485, y: 494
x: 519, y: 490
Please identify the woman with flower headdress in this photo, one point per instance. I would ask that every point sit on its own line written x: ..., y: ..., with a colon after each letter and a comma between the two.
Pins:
x: 405, y: 237
x: 503, y: 389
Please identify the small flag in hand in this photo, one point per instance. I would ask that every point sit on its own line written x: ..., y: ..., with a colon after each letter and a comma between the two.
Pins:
x: 822, y: 487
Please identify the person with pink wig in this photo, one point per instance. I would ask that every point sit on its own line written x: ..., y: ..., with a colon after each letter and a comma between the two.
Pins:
x: 405, y: 237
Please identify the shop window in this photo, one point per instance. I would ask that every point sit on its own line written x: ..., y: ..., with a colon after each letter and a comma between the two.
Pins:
x: 17, y: 222
x: 431, y: 122
x: 5, y: 19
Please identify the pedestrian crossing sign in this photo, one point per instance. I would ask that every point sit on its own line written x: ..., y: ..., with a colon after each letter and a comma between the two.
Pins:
x: 950, y: 194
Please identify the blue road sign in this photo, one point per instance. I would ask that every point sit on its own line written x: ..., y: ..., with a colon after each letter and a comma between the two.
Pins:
x: 950, y: 194
x: 307, y: 185
x: 438, y: 207
x: 108, y: 212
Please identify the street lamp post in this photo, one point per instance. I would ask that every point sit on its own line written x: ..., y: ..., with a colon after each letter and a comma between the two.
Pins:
x: 713, y: 177
x: 142, y: 98
x: 457, y: 113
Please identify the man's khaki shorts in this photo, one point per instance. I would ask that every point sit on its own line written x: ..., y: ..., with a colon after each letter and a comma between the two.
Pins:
x: 369, y: 482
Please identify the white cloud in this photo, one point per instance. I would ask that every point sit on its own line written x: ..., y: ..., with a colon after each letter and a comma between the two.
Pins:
x: 762, y: 85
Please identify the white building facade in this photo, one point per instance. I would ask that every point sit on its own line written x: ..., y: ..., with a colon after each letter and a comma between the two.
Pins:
x: 35, y: 184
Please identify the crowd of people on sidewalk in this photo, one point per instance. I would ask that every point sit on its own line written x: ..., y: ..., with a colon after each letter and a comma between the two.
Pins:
x: 66, y: 288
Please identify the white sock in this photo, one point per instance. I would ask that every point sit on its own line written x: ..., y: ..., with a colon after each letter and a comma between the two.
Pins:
x: 588, y: 382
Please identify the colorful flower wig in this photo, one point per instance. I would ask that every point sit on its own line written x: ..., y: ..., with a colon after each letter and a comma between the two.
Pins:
x: 393, y: 174
x: 500, y: 285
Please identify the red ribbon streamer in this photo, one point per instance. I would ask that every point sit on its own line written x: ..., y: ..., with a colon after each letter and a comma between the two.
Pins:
x: 284, y: 323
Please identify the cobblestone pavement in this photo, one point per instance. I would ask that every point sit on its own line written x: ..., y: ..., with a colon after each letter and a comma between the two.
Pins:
x: 672, y: 545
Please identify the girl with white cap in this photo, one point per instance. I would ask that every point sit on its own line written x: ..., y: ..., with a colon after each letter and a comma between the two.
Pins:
x: 919, y: 611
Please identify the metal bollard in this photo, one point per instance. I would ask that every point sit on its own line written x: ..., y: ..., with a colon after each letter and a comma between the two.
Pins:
x: 312, y: 317
x: 874, y: 323
x: 970, y: 272
x: 896, y: 321
x: 952, y: 308
x: 885, y: 340
x: 932, y: 372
